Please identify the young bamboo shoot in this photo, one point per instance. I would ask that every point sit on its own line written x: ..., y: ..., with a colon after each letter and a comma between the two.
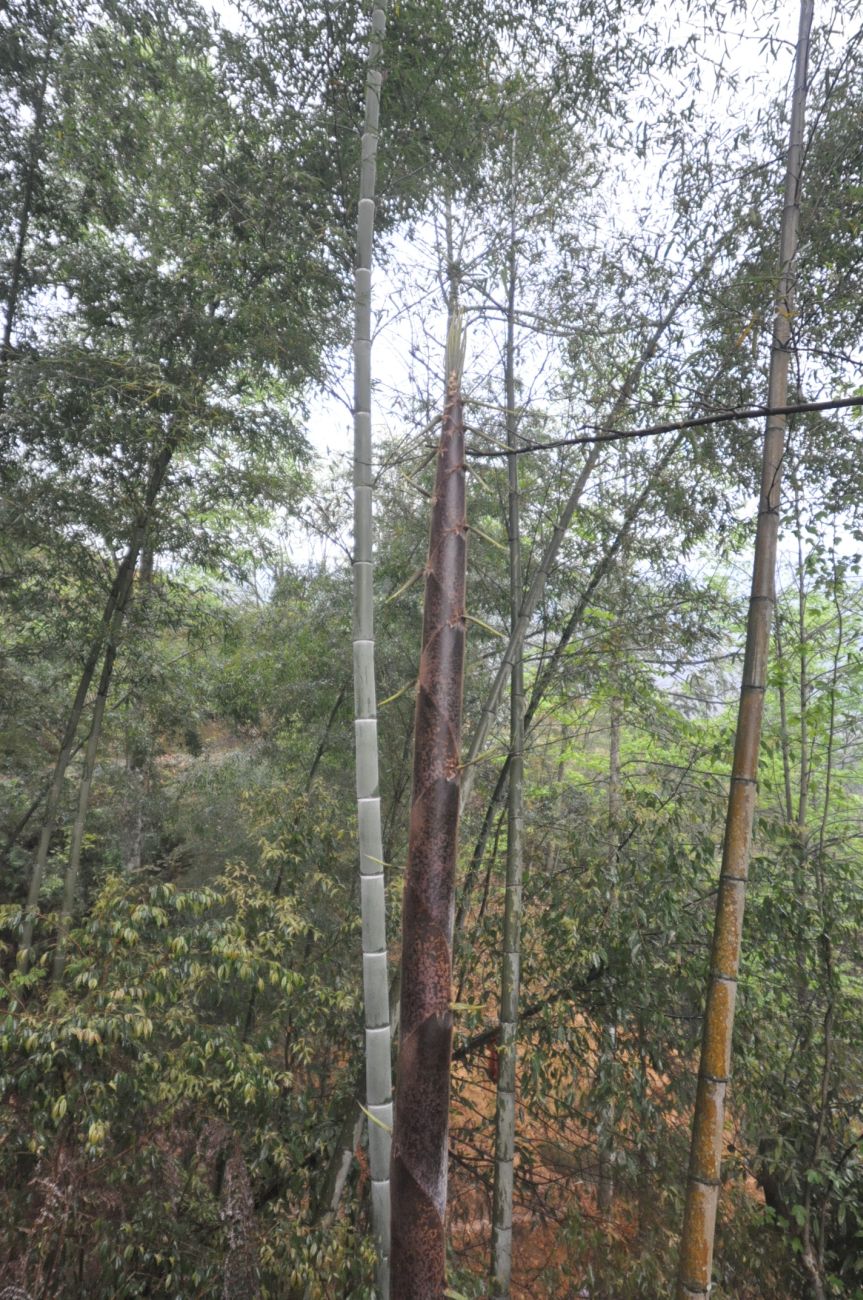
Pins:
x: 419, y: 1159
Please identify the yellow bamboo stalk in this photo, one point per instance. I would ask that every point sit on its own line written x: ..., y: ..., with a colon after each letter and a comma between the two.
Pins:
x: 702, y: 1192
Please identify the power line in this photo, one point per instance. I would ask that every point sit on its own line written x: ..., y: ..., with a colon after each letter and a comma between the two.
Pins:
x: 675, y: 426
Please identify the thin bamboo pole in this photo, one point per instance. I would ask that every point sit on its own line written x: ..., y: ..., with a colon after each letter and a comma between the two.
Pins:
x: 540, y: 576
x: 70, y: 881
x: 420, y: 1152
x: 702, y: 1192
x: 504, y: 1129
x: 372, y: 884
x: 17, y: 266
x: 607, y: 1118
x: 117, y: 597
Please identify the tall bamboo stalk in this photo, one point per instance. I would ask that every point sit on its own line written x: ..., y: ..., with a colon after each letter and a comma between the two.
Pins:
x: 117, y: 597
x: 372, y: 890
x: 504, y: 1129
x: 607, y: 1119
x: 17, y: 265
x: 540, y: 575
x: 70, y: 881
x: 419, y: 1161
x: 702, y: 1192
x: 547, y: 673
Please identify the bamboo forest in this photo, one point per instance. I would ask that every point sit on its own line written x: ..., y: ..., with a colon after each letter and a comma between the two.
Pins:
x: 431, y: 526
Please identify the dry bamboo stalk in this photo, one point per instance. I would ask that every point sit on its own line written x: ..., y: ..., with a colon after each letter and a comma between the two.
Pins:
x: 419, y: 1160
x: 702, y: 1192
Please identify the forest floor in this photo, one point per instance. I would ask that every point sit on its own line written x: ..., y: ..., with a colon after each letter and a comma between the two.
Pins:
x: 556, y: 1212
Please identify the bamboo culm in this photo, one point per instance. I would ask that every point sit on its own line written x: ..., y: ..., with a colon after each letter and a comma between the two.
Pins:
x: 607, y: 1119
x: 70, y: 882
x: 702, y: 1191
x: 372, y: 884
x: 117, y: 596
x: 540, y: 576
x: 420, y: 1148
x: 502, y: 1196
x: 17, y: 266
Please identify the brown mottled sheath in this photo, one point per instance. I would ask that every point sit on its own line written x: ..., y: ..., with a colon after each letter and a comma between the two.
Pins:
x: 419, y: 1153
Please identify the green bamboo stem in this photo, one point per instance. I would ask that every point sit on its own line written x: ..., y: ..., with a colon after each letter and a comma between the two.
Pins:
x: 502, y: 1196
x: 70, y: 881
x: 117, y: 597
x: 702, y: 1192
x: 17, y: 266
x: 608, y: 1053
x: 540, y: 576
x: 372, y: 884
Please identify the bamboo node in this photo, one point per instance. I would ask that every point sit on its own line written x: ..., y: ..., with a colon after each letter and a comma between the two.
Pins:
x: 705, y: 1182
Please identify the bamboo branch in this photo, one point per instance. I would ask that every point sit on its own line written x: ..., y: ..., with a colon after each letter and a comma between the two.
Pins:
x: 117, y: 596
x: 529, y: 1012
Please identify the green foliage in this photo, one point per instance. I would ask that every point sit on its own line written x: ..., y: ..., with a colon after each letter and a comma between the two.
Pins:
x: 129, y: 1089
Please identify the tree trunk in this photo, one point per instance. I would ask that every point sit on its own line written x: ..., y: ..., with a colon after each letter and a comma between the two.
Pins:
x: 702, y: 1192
x: 372, y: 883
x: 501, y: 1270
x: 419, y: 1161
